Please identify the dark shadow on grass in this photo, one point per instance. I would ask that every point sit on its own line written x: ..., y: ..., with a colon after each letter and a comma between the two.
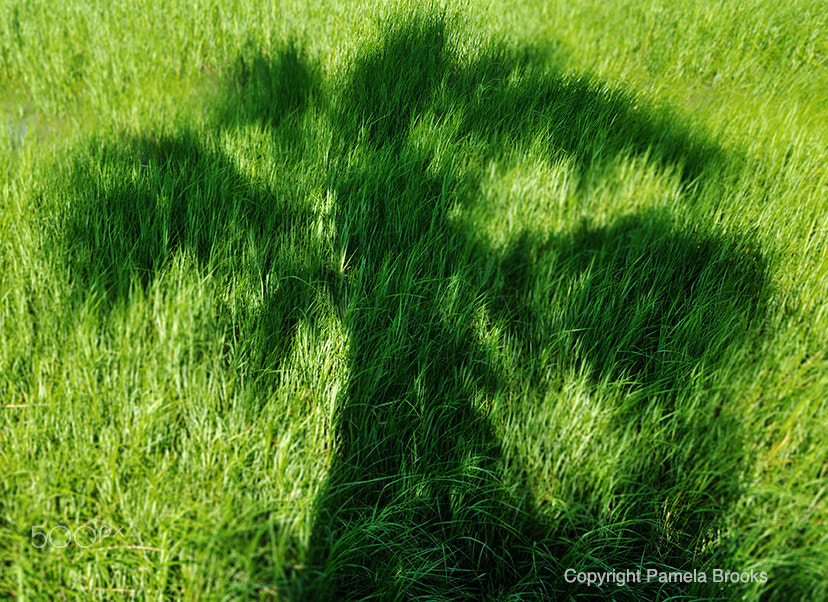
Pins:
x: 414, y: 506
x: 650, y: 300
x: 646, y: 310
x: 417, y: 505
x: 140, y: 202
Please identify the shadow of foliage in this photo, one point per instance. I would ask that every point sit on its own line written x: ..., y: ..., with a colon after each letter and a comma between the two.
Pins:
x: 269, y: 89
x: 647, y: 301
x: 645, y: 309
x: 139, y: 202
x: 417, y: 504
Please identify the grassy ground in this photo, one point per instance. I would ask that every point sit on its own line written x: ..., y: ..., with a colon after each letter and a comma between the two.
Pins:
x: 350, y: 302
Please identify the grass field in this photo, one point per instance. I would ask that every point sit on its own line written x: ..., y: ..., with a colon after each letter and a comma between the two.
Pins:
x: 470, y: 301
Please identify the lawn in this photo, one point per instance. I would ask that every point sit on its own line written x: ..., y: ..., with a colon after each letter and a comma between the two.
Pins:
x: 388, y: 301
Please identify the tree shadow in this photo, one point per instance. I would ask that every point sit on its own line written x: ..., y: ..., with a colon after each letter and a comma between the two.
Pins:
x: 417, y: 504
x: 649, y: 300
x: 142, y: 201
x: 409, y: 434
x: 646, y: 311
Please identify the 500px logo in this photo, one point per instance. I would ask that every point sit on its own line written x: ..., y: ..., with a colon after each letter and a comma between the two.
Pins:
x: 84, y: 536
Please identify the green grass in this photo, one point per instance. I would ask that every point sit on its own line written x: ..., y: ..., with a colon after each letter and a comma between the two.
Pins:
x: 397, y: 303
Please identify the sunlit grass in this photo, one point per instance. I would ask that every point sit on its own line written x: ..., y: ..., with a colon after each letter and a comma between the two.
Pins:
x: 381, y: 303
